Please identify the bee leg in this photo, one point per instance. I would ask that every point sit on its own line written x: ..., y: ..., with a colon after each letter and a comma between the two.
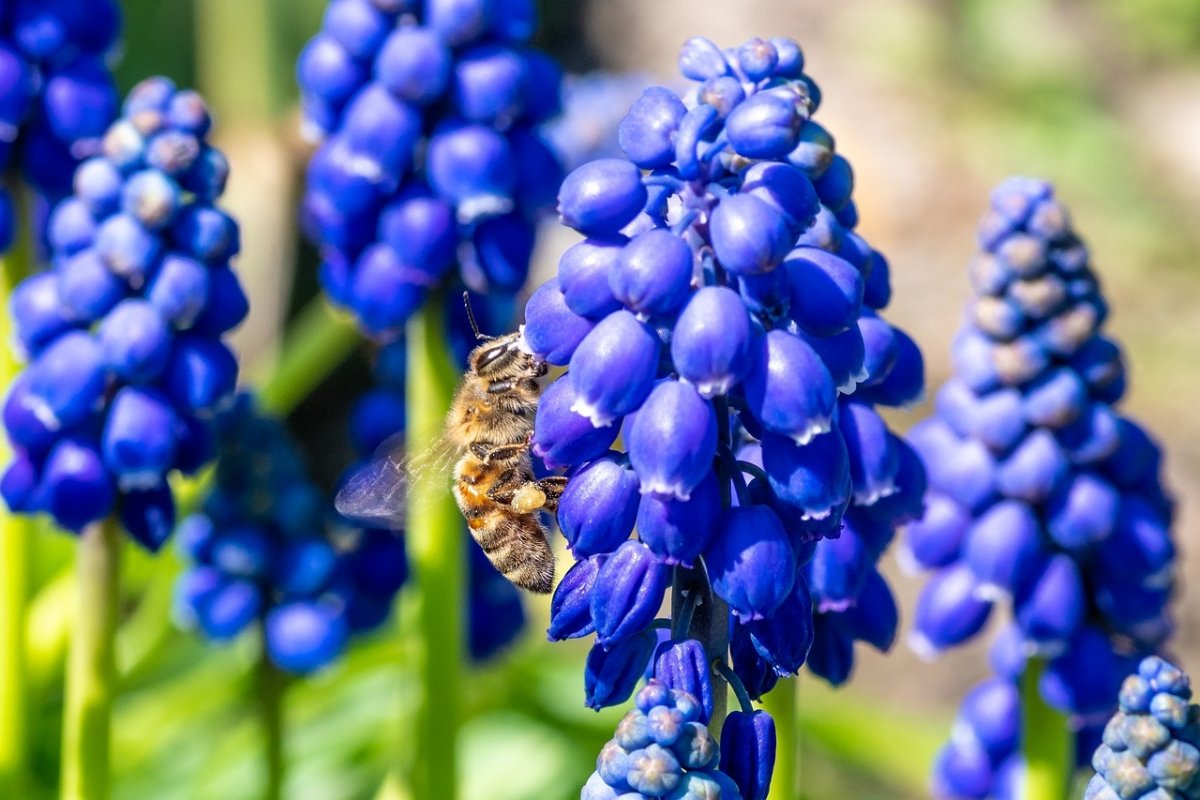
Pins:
x: 553, y: 488
x: 504, y: 452
x: 506, y: 486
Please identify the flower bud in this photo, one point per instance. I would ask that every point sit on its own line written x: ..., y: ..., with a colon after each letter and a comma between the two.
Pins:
x: 836, y: 184
x: 414, y: 64
x: 749, y: 236
x: 610, y: 675
x: 420, y: 228
x: 1055, y: 400
x: 837, y: 570
x: 597, y: 509
x: 228, y: 608
x: 552, y: 331
x: 991, y: 711
x: 678, y: 531
x: 750, y: 561
x: 139, y: 438
x: 756, y: 673
x: 561, y: 437
x: 783, y: 638
x: 748, y: 752
x: 148, y: 516
x: 701, y: 59
x: 472, y: 166
x: 646, y: 133
x: 200, y: 374
x: 711, y: 342
x: 136, y: 341
x: 303, y: 636
x: 489, y: 84
x: 789, y: 389
x: 1050, y: 607
x: 962, y: 769
x: 381, y: 130
x: 874, y: 617
x: 37, y: 312
x: 766, y: 125
x: 613, y: 368
x: 832, y: 654
x: 949, y: 611
x: 75, y: 487
x: 1034, y: 471
x: 1004, y: 548
x: 1085, y: 678
x: 963, y: 469
x: 683, y: 665
x: 1083, y: 513
x: 653, y: 274
x: 1093, y: 437
x: 826, y: 291
x: 814, y: 478
x: 672, y: 439
x: 784, y: 188
x: 936, y: 538
x: 627, y: 593
x: 66, y: 382
x: 904, y: 384
x: 1140, y: 547
x: 874, y: 459
x: 583, y: 272
x: 602, y: 196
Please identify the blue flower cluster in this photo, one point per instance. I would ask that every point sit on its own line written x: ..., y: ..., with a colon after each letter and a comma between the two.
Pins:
x: 127, y: 366
x: 1151, y: 747
x: 722, y: 315
x: 57, y: 96
x: 433, y: 155
x: 260, y: 553
x: 1041, y: 494
x: 495, y: 614
x: 662, y: 749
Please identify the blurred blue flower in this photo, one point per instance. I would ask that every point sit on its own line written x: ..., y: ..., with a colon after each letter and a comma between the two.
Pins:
x: 57, y: 95
x: 432, y: 153
x: 1041, y: 495
x: 124, y: 333
x: 261, y: 550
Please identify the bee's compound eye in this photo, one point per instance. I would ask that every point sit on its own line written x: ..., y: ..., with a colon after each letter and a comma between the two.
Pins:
x: 495, y: 356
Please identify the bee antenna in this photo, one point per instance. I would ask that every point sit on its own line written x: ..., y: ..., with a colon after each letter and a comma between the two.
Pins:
x: 471, y: 318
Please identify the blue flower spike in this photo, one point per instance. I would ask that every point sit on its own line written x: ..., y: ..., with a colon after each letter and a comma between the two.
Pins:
x: 261, y: 534
x: 721, y: 320
x: 433, y: 162
x: 124, y: 333
x: 1043, y: 498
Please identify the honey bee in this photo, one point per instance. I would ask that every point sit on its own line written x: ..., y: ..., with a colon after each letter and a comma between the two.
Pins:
x: 490, y: 425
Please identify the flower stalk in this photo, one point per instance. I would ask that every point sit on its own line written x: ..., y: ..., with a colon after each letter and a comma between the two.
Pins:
x: 91, y: 669
x: 271, y: 686
x: 15, y: 535
x: 437, y: 557
x: 1046, y: 741
x: 780, y: 703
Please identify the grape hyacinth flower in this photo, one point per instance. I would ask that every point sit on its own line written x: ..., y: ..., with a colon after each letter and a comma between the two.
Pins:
x: 661, y: 749
x: 1042, y: 497
x: 124, y: 334
x: 57, y: 93
x: 722, y: 316
x: 432, y: 154
x: 1151, y: 746
x: 260, y: 553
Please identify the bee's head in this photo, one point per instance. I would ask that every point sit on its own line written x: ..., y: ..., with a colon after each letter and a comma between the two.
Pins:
x: 498, y: 359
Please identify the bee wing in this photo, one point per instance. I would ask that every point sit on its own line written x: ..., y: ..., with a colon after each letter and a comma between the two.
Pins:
x: 376, y: 493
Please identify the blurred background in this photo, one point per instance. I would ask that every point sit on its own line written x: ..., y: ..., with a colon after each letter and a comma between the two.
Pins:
x: 934, y: 102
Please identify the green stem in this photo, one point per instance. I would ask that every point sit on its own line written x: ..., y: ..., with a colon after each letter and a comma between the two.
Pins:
x: 271, y: 686
x: 1046, y: 741
x: 690, y: 593
x: 14, y: 596
x: 15, y: 551
x: 317, y: 342
x: 236, y: 55
x: 780, y: 703
x: 436, y: 551
x: 91, y: 671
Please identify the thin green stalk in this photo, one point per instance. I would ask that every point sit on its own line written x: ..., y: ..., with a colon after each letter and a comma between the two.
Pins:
x: 1046, y: 741
x: 436, y: 552
x: 271, y: 686
x: 780, y: 703
x: 690, y: 593
x: 236, y: 54
x: 15, y: 538
x: 318, y: 341
x: 91, y: 669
